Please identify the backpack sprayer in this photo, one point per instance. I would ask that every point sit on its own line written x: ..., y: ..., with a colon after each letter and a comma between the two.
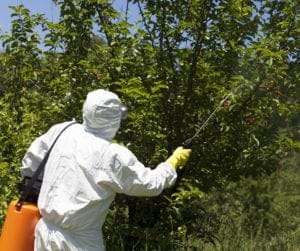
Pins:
x: 22, y: 215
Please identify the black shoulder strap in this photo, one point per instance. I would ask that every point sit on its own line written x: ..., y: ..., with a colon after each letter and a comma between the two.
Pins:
x: 40, y: 168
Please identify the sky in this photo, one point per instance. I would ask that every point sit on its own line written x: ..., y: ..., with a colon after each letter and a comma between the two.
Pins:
x: 46, y: 7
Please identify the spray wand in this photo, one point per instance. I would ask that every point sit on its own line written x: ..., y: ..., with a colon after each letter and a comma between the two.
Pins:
x: 187, y: 143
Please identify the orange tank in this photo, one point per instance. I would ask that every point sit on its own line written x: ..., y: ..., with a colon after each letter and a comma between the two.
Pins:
x: 18, y: 229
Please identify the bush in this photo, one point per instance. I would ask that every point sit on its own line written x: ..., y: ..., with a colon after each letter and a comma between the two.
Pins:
x: 258, y: 214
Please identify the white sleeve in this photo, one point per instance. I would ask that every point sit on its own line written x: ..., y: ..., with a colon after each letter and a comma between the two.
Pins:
x: 37, y: 150
x: 129, y: 176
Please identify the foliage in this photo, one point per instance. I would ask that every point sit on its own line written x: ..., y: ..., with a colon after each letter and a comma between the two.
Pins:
x: 172, y: 67
x: 262, y: 214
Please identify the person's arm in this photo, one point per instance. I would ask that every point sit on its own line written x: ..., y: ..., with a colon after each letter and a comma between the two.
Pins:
x: 125, y: 174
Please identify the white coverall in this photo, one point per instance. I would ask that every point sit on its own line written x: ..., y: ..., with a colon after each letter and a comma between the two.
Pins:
x: 83, y: 173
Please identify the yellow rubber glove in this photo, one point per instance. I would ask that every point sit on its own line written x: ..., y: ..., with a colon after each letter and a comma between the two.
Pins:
x: 179, y: 157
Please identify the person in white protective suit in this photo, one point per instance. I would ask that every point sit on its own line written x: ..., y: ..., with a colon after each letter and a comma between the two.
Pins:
x: 84, y: 172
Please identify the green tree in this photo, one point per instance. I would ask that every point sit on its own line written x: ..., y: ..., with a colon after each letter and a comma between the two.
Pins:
x: 172, y: 67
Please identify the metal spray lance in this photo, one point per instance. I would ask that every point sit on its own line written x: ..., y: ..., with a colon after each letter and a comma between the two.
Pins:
x: 187, y: 143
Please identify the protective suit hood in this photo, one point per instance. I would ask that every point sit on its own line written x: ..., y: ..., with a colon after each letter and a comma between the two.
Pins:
x: 102, y: 112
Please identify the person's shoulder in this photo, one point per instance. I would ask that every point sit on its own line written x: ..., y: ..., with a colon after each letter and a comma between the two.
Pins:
x: 119, y: 148
x: 62, y: 124
x: 56, y: 128
x: 122, y: 152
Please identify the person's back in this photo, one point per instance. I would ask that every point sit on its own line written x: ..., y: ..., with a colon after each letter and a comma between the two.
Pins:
x: 72, y: 199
